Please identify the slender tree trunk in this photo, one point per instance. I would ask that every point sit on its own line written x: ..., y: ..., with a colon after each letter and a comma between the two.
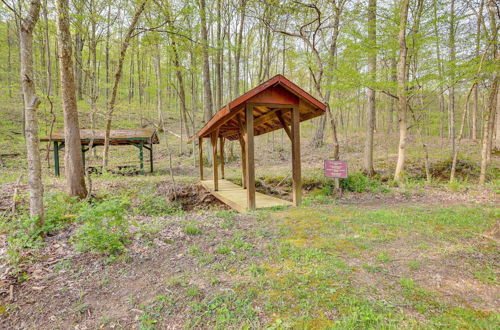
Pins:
x: 493, y: 96
x: 108, y: 36
x: 402, y: 101
x: 459, y: 138
x: 372, y: 71
x: 218, y: 62
x: 78, y: 64
x: 440, y: 73
x: 9, y: 59
x: 237, y: 57
x: 452, y: 75
x: 159, y: 100
x: 118, y: 75
x: 47, y: 50
x: 31, y: 103
x: 475, y: 108
x: 73, y: 160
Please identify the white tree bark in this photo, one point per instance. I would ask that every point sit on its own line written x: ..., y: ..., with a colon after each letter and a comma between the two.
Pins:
x: 31, y: 103
x: 402, y: 101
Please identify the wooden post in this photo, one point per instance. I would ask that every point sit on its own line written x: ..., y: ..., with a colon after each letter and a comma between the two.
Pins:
x: 83, y: 157
x: 213, y: 140
x: 250, y: 161
x: 222, y: 157
x: 200, y: 157
x: 141, y: 157
x: 151, y: 157
x: 243, y: 162
x: 296, y: 170
x: 56, y: 159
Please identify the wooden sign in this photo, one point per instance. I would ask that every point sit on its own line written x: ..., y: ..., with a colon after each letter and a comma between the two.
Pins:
x: 335, y: 168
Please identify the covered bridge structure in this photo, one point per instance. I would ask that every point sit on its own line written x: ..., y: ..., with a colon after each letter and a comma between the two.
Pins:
x: 140, y: 138
x: 275, y: 104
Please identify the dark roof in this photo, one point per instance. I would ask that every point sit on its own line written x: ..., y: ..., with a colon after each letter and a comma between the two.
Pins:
x: 269, y: 98
x: 117, y: 136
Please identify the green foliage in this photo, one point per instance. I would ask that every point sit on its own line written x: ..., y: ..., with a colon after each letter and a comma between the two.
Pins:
x: 25, y: 233
x: 358, y: 182
x: 192, y: 230
x: 104, y: 229
x: 225, y: 311
x: 154, y: 205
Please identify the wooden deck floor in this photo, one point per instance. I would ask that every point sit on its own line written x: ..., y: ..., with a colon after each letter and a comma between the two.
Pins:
x: 236, y: 197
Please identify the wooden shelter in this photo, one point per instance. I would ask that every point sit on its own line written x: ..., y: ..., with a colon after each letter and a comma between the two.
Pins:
x: 275, y: 104
x: 140, y: 138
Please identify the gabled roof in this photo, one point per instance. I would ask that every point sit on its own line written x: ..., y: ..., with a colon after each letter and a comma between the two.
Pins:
x: 270, y: 112
x: 117, y: 136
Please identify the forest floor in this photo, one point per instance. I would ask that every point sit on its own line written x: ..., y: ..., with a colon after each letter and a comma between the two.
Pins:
x: 415, y: 257
x: 147, y: 252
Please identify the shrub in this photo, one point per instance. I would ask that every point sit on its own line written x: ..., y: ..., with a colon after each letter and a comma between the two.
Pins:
x: 192, y: 230
x: 25, y: 234
x: 104, y: 229
x: 155, y: 205
x: 358, y: 182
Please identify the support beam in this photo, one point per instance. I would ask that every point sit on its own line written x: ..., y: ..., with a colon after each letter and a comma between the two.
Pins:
x: 200, y: 157
x: 213, y: 139
x: 83, y: 157
x: 243, y: 162
x: 296, y: 170
x: 283, y: 123
x: 221, y: 142
x: 151, y: 157
x: 141, y: 156
x: 56, y: 159
x: 250, y: 153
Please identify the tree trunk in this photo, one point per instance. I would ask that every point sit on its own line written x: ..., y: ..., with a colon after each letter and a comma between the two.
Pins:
x: 47, y: 50
x: 78, y: 64
x: 493, y: 97
x: 440, y: 73
x: 73, y: 149
x: 372, y: 72
x: 402, y: 101
x: 237, y: 57
x: 218, y: 62
x: 118, y: 75
x: 31, y: 103
x: 452, y: 76
x: 475, y: 108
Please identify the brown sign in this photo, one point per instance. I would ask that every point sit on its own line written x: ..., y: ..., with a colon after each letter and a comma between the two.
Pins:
x: 335, y: 168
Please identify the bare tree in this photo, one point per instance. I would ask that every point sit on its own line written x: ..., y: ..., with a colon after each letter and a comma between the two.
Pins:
x: 237, y: 57
x: 31, y: 103
x: 491, y: 110
x: 206, y: 63
x: 402, y: 100
x: 73, y: 160
x: 118, y: 75
x: 372, y: 71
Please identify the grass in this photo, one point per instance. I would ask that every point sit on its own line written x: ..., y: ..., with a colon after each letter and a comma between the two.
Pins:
x: 310, y: 280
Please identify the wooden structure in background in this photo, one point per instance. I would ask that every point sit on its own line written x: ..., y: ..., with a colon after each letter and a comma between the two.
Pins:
x: 140, y: 138
x: 275, y: 104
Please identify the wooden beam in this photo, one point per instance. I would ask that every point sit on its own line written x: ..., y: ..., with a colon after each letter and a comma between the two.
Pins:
x: 283, y: 123
x: 250, y: 161
x: 221, y: 142
x: 243, y: 162
x: 56, y: 158
x: 213, y: 139
x: 241, y: 138
x: 296, y: 168
x: 200, y: 157
x: 151, y: 157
